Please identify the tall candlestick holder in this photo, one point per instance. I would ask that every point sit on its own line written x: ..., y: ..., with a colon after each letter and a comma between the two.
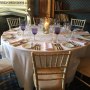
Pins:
x: 46, y: 25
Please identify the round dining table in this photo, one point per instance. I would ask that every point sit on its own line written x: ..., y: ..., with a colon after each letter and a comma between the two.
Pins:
x: 17, y: 47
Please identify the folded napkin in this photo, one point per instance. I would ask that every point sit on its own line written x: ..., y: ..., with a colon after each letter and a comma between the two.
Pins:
x: 48, y: 46
x: 82, y: 32
x: 11, y: 41
x: 79, y: 41
x: 9, y: 32
x: 18, y: 42
x: 8, y: 36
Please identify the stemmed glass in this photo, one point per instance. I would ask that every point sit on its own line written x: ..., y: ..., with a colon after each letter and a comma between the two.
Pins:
x: 34, y: 31
x: 57, y: 31
x: 23, y: 26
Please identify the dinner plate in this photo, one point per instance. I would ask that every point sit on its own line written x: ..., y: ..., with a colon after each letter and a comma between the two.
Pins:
x: 70, y: 44
x: 27, y: 46
x: 8, y: 36
x: 19, y: 42
x: 86, y: 37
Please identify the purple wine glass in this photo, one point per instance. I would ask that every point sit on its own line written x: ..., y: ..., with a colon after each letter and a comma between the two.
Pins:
x: 57, y: 31
x: 23, y: 26
x: 34, y: 31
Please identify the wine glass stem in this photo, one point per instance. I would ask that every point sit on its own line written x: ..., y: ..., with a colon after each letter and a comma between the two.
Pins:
x: 34, y: 37
x: 23, y: 33
x: 56, y: 38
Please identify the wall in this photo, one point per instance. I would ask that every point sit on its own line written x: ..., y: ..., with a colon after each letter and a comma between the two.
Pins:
x: 3, y: 22
x: 36, y: 7
x: 13, y: 4
x: 79, y: 9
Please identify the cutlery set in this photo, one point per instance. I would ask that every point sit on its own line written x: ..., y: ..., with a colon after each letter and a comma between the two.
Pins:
x: 75, y: 44
x: 57, y: 46
x: 37, y: 47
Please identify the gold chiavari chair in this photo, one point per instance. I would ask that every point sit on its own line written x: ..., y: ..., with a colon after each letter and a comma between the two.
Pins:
x: 50, y: 69
x: 78, y: 23
x: 13, y: 22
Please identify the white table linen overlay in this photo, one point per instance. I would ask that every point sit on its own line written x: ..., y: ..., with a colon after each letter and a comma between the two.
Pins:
x: 20, y: 57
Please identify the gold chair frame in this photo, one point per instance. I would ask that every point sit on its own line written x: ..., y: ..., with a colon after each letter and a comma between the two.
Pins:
x: 78, y: 22
x: 13, y: 22
x: 50, y: 66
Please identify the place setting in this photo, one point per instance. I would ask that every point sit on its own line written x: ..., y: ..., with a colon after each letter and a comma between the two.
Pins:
x: 7, y: 37
x: 18, y: 42
x: 85, y: 37
x: 32, y: 46
x: 57, y: 46
x: 71, y: 44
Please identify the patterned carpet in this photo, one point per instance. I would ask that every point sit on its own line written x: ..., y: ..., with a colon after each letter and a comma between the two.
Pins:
x: 9, y: 82
x: 78, y: 85
x: 12, y: 84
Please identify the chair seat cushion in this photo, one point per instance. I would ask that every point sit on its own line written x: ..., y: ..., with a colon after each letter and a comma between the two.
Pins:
x: 47, y: 79
x: 5, y: 66
x: 84, y: 66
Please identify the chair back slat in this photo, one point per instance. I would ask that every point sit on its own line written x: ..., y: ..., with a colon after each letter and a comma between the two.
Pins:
x: 13, y: 22
x: 40, y: 61
x: 61, y: 57
x: 51, y: 60
x: 78, y: 22
x: 46, y: 62
x: 56, y: 61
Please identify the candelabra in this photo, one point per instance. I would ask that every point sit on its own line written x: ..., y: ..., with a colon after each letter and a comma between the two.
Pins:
x: 46, y: 25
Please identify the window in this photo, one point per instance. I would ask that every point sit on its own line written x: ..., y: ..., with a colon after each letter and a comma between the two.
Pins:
x: 13, y: 5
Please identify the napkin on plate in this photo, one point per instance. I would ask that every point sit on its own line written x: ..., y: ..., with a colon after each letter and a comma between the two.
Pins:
x: 82, y: 32
x: 18, y: 42
x: 9, y: 32
x: 79, y: 41
x: 48, y: 46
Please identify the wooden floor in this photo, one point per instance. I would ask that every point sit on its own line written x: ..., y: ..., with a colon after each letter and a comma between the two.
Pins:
x: 77, y: 85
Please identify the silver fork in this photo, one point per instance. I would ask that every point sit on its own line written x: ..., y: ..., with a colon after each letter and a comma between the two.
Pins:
x: 58, y: 47
x: 37, y: 47
x: 75, y: 44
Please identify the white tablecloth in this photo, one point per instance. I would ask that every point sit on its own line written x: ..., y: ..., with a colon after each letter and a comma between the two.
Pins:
x: 22, y: 63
